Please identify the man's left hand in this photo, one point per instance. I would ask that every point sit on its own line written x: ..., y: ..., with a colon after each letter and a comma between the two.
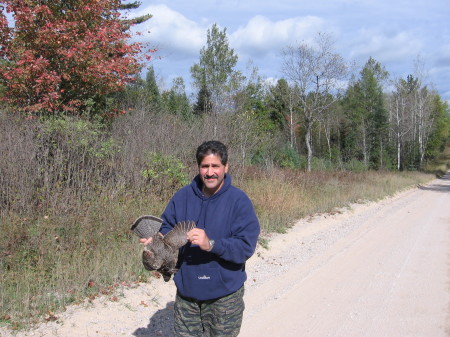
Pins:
x: 198, y: 237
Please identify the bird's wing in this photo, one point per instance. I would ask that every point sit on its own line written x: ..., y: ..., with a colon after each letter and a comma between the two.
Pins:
x: 176, y: 238
x: 146, y: 226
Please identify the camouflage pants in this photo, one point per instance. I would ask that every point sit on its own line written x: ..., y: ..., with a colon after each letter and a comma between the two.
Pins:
x: 221, y: 317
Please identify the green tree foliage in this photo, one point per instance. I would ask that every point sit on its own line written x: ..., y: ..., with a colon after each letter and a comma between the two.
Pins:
x: 132, y: 96
x: 134, y: 21
x: 251, y: 98
x: 440, y: 130
x: 176, y: 101
x: 164, y: 174
x: 372, y: 77
x: 278, y: 102
x: 353, y: 131
x: 203, y: 105
x: 60, y: 54
x: 152, y: 95
x: 285, y: 109
x: 215, y: 70
x: 368, y: 116
x: 254, y: 129
x: 140, y: 94
x: 401, y: 106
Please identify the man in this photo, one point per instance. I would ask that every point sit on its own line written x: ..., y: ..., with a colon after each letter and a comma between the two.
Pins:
x: 211, y: 275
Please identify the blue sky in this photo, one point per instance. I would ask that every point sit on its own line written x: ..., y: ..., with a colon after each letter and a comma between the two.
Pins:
x: 394, y: 32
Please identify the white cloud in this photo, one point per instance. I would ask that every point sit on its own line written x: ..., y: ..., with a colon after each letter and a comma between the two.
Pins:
x: 172, y: 33
x: 262, y: 36
x: 385, y: 48
x: 393, y: 33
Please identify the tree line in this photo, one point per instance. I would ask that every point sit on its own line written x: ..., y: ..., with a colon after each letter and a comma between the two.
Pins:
x: 319, y: 114
x: 75, y: 58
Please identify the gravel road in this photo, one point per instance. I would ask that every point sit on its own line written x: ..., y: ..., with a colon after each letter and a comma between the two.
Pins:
x: 370, y: 270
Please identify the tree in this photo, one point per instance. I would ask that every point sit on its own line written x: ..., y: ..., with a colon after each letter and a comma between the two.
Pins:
x: 332, y: 122
x: 400, y: 108
x: 365, y: 108
x: 251, y: 125
x: 316, y: 71
x: 215, y: 70
x: 424, y: 110
x: 151, y: 91
x: 417, y: 118
x: 134, y: 21
x: 61, y: 54
x: 176, y: 100
x: 372, y: 77
x: 285, y: 106
x: 141, y: 94
x: 441, y: 128
x: 354, y: 137
x: 203, y: 105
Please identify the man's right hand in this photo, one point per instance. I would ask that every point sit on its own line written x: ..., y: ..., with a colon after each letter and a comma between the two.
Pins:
x: 149, y: 240
x: 146, y: 241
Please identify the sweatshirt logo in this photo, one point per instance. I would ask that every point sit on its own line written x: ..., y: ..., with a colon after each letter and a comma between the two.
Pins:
x: 204, y: 277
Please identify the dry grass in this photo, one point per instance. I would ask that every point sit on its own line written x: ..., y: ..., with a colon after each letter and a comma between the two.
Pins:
x: 283, y: 197
x: 50, y: 261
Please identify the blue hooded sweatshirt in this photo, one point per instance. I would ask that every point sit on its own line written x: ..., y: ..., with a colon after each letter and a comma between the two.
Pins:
x: 228, y: 218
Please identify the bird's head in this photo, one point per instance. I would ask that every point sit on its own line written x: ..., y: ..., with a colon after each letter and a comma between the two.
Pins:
x: 151, y: 260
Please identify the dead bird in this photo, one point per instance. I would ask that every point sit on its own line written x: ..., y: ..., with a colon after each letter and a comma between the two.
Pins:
x: 162, y: 253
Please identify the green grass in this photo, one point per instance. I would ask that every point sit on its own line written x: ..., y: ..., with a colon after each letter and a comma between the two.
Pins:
x: 50, y: 260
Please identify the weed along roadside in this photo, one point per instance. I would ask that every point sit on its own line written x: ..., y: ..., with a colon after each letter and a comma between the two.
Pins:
x: 52, y: 261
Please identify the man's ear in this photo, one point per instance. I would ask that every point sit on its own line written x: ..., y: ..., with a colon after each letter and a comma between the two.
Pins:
x: 226, y: 168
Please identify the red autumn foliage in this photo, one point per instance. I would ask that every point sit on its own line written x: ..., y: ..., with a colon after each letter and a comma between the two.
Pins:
x: 60, y: 53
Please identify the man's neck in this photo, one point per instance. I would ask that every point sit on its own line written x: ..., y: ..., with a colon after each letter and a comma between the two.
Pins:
x: 207, y: 193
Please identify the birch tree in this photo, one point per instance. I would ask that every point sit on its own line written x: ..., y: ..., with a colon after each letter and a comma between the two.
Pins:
x: 317, y: 71
x: 400, y: 117
x: 416, y: 116
x: 423, y: 102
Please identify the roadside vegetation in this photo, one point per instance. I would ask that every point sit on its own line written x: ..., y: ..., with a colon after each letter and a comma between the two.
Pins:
x: 66, y: 215
x: 87, y: 145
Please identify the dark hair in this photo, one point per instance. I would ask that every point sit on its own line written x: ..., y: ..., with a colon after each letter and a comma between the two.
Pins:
x: 212, y: 147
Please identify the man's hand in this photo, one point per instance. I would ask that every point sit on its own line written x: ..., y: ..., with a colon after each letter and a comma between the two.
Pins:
x: 198, y: 237
x: 148, y: 240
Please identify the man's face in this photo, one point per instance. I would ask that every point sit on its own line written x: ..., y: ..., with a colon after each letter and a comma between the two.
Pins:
x: 212, y: 173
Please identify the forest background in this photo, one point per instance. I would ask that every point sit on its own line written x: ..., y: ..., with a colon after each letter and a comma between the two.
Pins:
x: 87, y: 145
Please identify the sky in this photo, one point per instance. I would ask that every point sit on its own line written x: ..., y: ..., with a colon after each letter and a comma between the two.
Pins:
x: 396, y: 33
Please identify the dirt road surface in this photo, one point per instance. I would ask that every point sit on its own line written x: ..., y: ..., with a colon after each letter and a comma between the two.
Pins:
x: 371, y: 270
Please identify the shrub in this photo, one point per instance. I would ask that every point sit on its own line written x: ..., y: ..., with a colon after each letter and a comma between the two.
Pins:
x: 289, y: 158
x: 322, y: 164
x: 165, y: 174
x: 355, y: 166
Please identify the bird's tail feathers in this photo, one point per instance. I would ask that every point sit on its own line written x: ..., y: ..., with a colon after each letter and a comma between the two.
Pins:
x: 146, y: 226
